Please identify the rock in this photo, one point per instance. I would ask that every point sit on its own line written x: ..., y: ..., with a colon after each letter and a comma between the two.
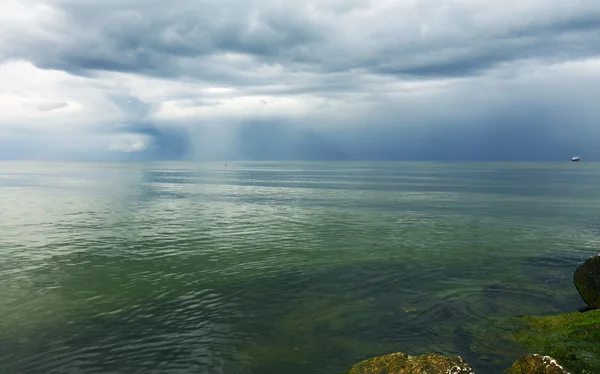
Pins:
x: 571, y: 338
x: 587, y: 281
x: 536, y: 364
x: 401, y: 363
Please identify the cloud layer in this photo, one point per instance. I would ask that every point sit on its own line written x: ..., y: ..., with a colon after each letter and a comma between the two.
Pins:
x: 254, y: 79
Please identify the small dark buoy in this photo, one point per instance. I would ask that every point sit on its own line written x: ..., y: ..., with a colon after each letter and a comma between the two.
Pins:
x: 225, y: 164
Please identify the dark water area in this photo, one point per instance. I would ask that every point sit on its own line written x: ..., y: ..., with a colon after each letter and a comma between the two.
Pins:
x: 278, y: 268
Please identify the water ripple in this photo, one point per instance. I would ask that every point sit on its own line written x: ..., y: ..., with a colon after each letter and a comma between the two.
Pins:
x: 269, y: 267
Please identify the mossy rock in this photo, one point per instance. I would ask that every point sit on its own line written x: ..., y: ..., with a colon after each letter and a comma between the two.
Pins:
x: 401, y: 363
x: 587, y: 281
x: 536, y: 364
x: 571, y: 338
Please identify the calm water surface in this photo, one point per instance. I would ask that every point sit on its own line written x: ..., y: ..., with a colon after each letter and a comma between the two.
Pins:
x: 259, y: 268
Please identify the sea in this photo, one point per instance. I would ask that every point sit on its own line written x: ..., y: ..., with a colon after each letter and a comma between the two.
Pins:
x: 282, y: 267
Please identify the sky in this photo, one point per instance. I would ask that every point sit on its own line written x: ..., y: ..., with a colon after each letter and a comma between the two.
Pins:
x: 300, y: 80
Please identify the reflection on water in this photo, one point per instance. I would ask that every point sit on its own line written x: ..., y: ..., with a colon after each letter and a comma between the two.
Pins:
x: 272, y: 267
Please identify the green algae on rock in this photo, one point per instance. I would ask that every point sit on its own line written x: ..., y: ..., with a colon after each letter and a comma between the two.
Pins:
x: 571, y: 338
x: 587, y: 281
x: 535, y: 364
x: 401, y: 363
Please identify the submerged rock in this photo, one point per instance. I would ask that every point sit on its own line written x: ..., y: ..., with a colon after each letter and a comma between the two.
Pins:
x: 571, y: 338
x: 401, y: 363
x: 587, y: 281
x: 536, y: 364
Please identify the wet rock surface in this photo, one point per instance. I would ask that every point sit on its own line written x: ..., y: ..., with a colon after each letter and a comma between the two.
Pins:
x: 587, y: 281
x: 571, y: 338
x: 401, y: 363
x: 536, y: 364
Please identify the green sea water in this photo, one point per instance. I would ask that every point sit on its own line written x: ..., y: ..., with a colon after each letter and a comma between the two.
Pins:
x: 260, y: 268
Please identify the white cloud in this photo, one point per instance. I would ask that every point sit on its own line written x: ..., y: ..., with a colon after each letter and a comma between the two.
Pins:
x: 50, y: 99
x: 127, y: 142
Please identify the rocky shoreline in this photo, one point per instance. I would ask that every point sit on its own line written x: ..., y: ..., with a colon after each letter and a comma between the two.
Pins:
x: 567, y: 343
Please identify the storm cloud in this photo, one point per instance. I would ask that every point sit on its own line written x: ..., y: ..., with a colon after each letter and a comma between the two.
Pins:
x: 334, y: 79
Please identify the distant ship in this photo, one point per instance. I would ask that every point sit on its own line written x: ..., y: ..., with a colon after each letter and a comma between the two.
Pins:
x: 575, y: 159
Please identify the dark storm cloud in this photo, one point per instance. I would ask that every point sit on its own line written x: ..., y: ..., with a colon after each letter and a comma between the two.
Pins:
x: 164, y: 39
x: 471, y: 54
x: 504, y: 140
x: 183, y: 38
x: 329, y: 79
